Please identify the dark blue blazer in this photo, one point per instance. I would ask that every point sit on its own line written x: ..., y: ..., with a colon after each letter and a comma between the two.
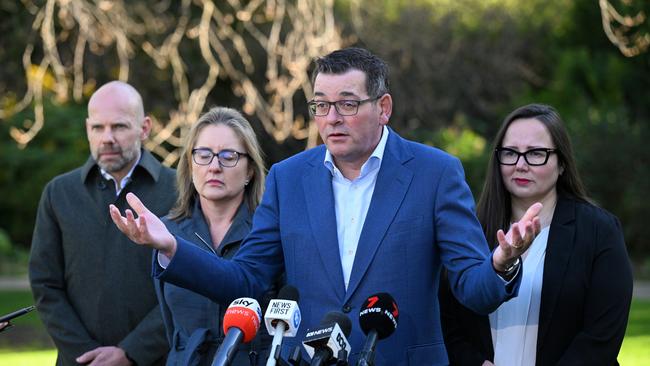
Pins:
x: 420, y: 218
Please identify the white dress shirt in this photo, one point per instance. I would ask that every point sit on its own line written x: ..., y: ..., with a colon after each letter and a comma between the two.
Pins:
x: 351, y: 202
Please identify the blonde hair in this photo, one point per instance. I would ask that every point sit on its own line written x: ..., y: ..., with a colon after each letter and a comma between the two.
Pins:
x: 187, y: 193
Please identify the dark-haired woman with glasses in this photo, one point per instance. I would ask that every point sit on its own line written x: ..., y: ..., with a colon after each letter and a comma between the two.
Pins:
x: 220, y: 180
x: 573, y: 302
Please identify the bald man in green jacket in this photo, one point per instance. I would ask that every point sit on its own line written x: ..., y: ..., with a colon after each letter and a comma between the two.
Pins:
x: 91, y: 285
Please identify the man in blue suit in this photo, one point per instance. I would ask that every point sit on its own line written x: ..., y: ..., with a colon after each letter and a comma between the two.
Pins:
x: 367, y: 212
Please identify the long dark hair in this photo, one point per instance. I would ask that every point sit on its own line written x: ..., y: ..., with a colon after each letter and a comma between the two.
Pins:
x: 494, y: 208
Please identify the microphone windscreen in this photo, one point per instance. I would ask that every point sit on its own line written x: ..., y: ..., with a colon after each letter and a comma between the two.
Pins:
x: 379, y: 312
x: 341, y: 319
x: 288, y: 292
x: 245, y: 314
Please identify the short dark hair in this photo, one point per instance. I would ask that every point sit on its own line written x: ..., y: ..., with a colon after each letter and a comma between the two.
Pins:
x: 493, y: 208
x: 354, y: 58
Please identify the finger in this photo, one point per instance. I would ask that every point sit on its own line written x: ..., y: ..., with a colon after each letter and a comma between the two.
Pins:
x: 136, y: 204
x: 503, y: 242
x: 530, y: 233
x: 516, y: 240
x: 88, y: 356
x: 537, y: 225
x: 143, y: 230
x: 119, y: 221
x: 532, y: 212
x: 130, y: 216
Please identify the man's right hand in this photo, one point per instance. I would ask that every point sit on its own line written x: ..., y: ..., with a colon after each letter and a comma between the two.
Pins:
x: 146, y: 229
x: 105, y: 356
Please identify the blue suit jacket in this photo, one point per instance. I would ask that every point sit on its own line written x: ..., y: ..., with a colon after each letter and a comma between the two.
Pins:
x: 421, y: 217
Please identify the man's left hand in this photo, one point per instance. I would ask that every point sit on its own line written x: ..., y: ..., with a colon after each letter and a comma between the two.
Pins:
x: 105, y: 356
x: 518, y: 239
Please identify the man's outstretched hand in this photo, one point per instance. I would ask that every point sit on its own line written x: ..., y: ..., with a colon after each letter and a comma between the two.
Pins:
x: 518, y: 239
x: 146, y: 229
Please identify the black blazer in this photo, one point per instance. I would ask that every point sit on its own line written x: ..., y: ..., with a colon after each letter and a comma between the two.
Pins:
x: 585, y: 301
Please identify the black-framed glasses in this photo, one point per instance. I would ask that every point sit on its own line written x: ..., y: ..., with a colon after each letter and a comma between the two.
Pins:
x: 226, y: 158
x: 343, y: 107
x: 533, y: 157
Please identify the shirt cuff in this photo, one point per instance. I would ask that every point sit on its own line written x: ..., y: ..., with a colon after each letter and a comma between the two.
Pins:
x: 163, y: 260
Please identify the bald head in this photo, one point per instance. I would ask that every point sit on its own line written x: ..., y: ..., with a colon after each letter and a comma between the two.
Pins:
x: 116, y: 127
x: 121, y: 96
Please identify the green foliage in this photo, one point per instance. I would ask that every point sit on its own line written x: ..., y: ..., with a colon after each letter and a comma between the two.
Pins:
x: 462, y: 142
x: 603, y: 98
x: 635, y: 349
x: 59, y: 147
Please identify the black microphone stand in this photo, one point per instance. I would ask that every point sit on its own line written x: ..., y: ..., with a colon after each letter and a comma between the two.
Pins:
x: 367, y: 355
x: 342, y: 358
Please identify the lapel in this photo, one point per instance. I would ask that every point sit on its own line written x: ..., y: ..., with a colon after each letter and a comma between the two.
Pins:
x: 192, y: 226
x: 393, y: 181
x: 558, y: 253
x: 317, y: 185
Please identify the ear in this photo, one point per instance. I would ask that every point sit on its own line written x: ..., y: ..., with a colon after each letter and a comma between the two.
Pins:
x: 385, y: 108
x: 146, y: 128
x: 88, y: 129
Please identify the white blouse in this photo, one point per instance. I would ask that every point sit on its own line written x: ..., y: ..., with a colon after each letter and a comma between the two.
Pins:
x: 514, y: 324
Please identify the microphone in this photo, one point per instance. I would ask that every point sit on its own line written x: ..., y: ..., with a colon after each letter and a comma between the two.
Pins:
x: 282, y: 319
x: 328, y: 342
x: 240, y: 323
x: 378, y: 319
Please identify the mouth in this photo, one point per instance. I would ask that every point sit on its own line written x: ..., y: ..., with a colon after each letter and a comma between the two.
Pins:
x: 337, y: 135
x: 109, y: 154
x: 522, y: 181
x: 214, y: 182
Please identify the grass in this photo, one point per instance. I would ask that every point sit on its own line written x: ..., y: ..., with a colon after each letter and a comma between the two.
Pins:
x: 28, y: 358
x: 635, y: 350
x: 27, y: 344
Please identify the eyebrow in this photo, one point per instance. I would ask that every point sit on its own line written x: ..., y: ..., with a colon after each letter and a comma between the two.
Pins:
x: 529, y: 147
x: 343, y: 94
x: 112, y: 123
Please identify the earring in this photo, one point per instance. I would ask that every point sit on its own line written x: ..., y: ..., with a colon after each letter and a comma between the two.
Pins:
x: 246, y: 182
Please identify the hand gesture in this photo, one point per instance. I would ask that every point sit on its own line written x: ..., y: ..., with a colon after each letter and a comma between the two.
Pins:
x: 146, y: 229
x: 518, y: 239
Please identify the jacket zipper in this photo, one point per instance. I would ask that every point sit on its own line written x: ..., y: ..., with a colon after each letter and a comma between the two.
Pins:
x: 205, y: 242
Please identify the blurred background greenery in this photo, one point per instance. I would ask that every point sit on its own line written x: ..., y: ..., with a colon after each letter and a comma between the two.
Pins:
x: 458, y: 67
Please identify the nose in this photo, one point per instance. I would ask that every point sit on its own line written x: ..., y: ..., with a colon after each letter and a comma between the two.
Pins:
x: 108, y: 137
x: 522, y: 164
x: 333, y: 116
x: 214, y: 165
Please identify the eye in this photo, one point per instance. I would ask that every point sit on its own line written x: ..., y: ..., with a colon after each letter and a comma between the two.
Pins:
x: 203, y: 153
x: 227, y: 155
x: 347, y: 104
x: 508, y: 153
x: 536, y: 153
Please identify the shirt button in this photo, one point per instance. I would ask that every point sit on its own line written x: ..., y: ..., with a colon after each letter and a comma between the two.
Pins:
x: 347, y: 308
